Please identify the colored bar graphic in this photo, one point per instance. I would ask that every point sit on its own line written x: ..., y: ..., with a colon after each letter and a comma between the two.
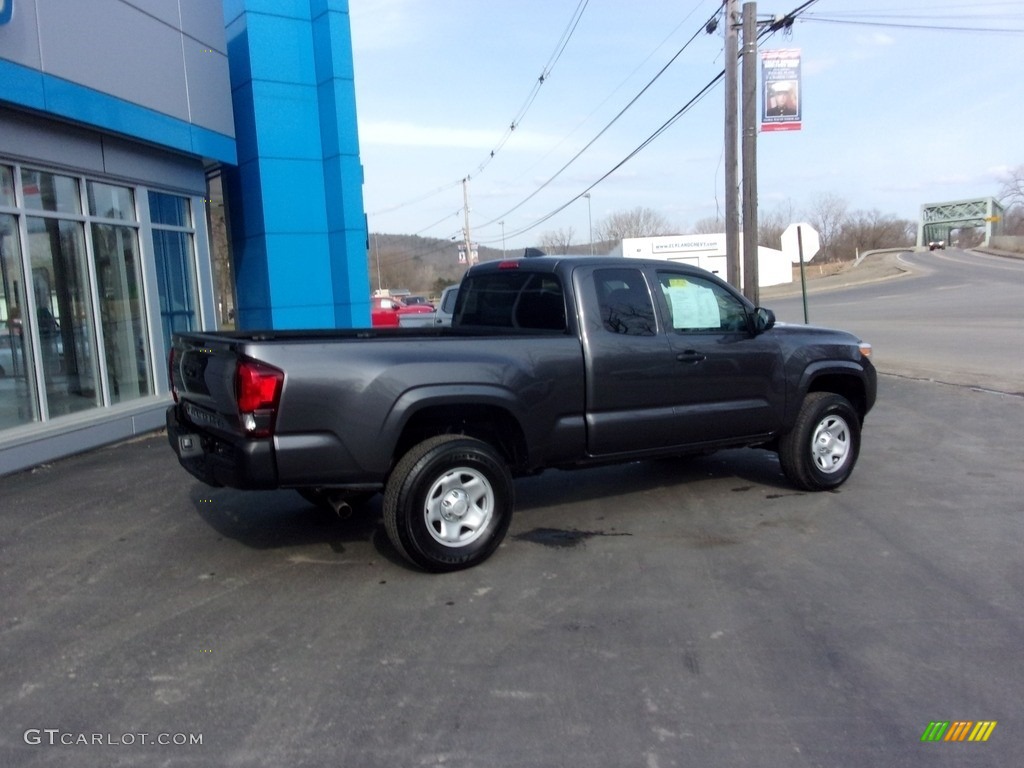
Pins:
x: 959, y: 730
x: 982, y: 730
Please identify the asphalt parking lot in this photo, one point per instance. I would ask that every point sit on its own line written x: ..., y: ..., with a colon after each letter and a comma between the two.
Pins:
x: 657, y: 614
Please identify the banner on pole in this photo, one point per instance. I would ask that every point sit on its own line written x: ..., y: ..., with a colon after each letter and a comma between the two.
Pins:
x: 782, y: 102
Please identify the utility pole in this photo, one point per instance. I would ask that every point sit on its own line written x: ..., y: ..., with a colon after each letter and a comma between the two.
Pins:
x: 465, y: 229
x: 732, y: 218
x: 751, y: 288
x: 376, y: 249
x: 590, y: 223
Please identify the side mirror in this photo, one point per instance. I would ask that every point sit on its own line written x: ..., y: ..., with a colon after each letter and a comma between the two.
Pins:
x: 764, y: 320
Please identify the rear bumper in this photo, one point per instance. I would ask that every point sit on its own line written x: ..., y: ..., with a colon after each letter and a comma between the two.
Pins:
x: 247, y: 464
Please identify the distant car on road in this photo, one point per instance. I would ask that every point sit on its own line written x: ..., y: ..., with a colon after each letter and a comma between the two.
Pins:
x: 415, y: 301
x: 387, y: 312
x: 439, y: 317
x: 446, y: 306
x: 937, y: 245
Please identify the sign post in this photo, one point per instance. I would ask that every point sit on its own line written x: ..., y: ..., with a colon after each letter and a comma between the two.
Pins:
x: 801, y: 241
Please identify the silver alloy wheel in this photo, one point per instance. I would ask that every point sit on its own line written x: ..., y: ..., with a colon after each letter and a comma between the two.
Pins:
x: 831, y: 444
x: 459, y: 507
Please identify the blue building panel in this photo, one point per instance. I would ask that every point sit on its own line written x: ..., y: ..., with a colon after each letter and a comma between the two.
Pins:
x: 286, y: 119
x: 332, y: 37
x: 350, y: 280
x: 297, y: 194
x: 340, y: 137
x: 293, y: 196
x: 346, y: 212
x: 278, y: 33
x: 291, y: 259
x: 22, y: 85
x: 29, y: 88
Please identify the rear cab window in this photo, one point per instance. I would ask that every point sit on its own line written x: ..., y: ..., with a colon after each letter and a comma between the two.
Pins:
x: 513, y: 299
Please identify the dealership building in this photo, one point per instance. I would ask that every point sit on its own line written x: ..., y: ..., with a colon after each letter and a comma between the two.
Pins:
x: 137, y: 139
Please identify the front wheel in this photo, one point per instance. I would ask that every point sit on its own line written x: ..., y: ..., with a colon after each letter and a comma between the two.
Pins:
x: 819, y: 452
x: 448, y: 503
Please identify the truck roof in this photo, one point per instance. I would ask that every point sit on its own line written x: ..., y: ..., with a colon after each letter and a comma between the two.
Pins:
x: 555, y: 263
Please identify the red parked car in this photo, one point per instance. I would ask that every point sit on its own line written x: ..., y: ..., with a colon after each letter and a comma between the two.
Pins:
x: 385, y: 312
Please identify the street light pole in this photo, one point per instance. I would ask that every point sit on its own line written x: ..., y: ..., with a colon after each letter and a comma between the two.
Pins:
x: 502, y: 238
x: 590, y: 223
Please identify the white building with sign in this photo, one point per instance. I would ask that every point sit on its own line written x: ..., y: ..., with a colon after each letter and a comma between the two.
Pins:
x: 707, y: 252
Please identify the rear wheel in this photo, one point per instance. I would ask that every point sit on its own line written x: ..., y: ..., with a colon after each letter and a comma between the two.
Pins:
x: 820, y: 451
x: 448, y: 503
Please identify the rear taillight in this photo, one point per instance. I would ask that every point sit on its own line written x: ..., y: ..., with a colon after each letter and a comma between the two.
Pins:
x: 258, y: 391
x: 170, y: 375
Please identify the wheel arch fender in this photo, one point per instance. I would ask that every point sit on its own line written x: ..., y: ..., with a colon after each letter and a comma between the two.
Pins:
x: 487, y: 412
x: 843, y: 377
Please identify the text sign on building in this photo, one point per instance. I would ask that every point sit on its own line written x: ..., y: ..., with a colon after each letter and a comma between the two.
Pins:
x: 781, y: 100
x: 6, y: 9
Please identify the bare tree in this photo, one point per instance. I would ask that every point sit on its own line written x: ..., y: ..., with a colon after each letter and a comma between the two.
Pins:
x: 1012, y: 191
x: 557, y: 241
x: 1013, y: 220
x: 827, y: 214
x: 639, y: 222
x: 709, y: 225
x: 1011, y: 195
x: 868, y: 230
x: 771, y: 224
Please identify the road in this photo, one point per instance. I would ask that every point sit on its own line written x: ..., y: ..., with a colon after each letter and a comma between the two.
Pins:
x: 657, y: 614
x: 956, y: 317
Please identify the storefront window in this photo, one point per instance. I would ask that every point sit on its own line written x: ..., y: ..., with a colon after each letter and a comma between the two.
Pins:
x: 111, y: 202
x: 74, y: 319
x: 60, y: 286
x: 50, y: 192
x: 126, y: 346
x: 175, y: 263
x: 17, y: 385
x: 6, y: 186
x: 119, y: 279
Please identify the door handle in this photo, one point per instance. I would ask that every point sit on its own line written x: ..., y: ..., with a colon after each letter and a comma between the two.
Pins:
x: 691, y: 356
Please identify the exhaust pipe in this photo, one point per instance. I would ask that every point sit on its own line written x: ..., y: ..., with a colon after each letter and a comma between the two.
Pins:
x: 341, y: 507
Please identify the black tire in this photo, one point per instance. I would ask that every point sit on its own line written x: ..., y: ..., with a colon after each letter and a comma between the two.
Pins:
x: 448, y: 503
x: 819, y: 453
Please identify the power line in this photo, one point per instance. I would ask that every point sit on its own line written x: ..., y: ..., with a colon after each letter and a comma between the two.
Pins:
x: 765, y: 33
x: 661, y: 129
x: 615, y: 90
x: 419, y: 199
x: 600, y: 133
x: 929, y: 27
x: 556, y: 54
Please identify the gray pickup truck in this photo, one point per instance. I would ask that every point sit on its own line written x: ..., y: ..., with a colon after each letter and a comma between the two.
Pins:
x: 549, y: 362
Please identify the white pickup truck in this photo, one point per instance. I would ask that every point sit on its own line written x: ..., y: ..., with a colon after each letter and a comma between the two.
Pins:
x: 441, y: 317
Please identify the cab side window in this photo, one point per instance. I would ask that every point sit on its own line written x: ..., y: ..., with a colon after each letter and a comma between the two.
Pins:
x: 698, y: 305
x: 625, y: 302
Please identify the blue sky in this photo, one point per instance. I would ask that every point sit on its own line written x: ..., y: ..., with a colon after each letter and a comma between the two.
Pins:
x: 905, y: 107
